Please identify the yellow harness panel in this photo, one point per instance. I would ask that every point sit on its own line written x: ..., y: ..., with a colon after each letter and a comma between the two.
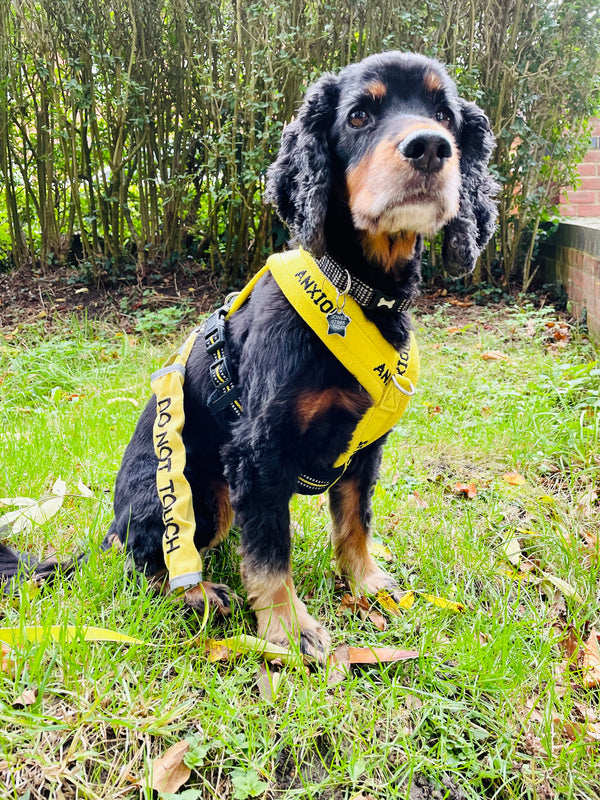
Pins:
x: 388, y: 376
x: 181, y: 557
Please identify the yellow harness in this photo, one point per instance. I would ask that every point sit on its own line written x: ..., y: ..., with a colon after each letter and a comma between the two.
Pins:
x: 389, y: 376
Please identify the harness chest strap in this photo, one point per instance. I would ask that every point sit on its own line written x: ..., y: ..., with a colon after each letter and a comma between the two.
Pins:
x: 388, y: 376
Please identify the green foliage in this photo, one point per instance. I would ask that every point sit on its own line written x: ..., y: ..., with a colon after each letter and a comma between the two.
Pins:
x: 147, y: 128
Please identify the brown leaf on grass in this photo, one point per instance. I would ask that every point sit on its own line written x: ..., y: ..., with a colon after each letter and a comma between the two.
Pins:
x: 339, y: 663
x: 461, y: 303
x: 513, y: 479
x: 268, y: 682
x: 376, y: 655
x: 454, y: 329
x: 494, y: 355
x: 216, y: 651
x: 415, y: 499
x: 27, y: 698
x: 467, y: 489
x: 169, y: 773
x: 591, y: 661
x: 353, y: 604
x: 569, y: 644
x: 378, y: 620
x: 7, y: 663
x: 591, y: 540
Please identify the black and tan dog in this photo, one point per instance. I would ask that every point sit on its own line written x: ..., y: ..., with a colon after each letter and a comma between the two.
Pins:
x: 378, y: 156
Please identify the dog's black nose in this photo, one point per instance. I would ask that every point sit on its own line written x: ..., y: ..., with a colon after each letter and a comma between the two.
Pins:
x: 426, y: 150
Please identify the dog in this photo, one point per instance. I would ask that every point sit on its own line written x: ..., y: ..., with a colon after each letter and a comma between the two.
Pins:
x: 378, y: 156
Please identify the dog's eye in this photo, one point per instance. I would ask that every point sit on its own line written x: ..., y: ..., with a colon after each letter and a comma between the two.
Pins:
x: 444, y: 116
x: 358, y: 118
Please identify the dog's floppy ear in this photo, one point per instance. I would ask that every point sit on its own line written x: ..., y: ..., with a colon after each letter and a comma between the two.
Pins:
x: 468, y: 233
x: 299, y: 181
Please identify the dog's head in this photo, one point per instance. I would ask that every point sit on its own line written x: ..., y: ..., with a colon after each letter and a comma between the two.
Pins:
x: 388, y: 143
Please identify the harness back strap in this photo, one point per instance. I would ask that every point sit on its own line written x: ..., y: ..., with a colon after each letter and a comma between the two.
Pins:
x: 181, y: 556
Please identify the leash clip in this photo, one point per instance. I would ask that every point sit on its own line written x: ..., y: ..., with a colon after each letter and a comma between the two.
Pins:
x: 337, y: 321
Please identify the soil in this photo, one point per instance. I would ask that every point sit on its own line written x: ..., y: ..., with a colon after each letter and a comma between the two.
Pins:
x: 29, y: 294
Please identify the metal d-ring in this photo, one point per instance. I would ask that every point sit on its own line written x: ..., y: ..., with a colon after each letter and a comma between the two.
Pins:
x: 408, y: 393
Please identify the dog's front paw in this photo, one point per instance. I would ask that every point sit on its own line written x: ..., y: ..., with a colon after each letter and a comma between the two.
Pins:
x: 220, y: 597
x: 312, y: 639
x: 373, y: 581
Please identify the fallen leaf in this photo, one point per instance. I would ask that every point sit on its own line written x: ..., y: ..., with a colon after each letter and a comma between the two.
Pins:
x: 84, y: 490
x: 252, y: 645
x: 494, y: 355
x: 216, y: 651
x: 416, y: 500
x: 169, y: 773
x: 454, y: 329
x: 512, y: 551
x: 591, y: 661
x: 67, y: 633
x: 38, y: 512
x: 441, y: 602
x: 378, y: 620
x: 267, y: 682
x: 395, y: 607
x: 27, y: 698
x: 353, y: 604
x: 339, y: 665
x: 565, y: 588
x: 376, y: 655
x: 17, y: 501
x: 513, y: 479
x: 131, y: 400
x: 7, y: 663
x: 379, y: 550
x: 468, y: 489
x: 462, y: 303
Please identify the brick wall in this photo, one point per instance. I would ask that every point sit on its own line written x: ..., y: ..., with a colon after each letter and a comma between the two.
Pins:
x: 572, y: 257
x: 585, y: 201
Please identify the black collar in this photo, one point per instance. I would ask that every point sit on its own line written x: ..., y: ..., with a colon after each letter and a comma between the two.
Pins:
x: 365, y: 296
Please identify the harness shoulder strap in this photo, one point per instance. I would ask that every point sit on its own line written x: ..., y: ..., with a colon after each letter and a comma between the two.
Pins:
x: 388, y: 376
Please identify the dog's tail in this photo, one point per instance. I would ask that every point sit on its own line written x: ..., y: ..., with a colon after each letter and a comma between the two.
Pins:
x: 16, y: 568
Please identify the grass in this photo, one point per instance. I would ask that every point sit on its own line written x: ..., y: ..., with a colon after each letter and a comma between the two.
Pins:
x: 495, y: 706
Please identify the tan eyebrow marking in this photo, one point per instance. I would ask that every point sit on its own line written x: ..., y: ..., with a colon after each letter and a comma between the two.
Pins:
x: 432, y: 81
x: 376, y: 89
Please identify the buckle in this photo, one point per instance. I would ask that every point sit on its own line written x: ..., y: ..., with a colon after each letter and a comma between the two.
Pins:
x: 219, y: 373
x: 214, y: 333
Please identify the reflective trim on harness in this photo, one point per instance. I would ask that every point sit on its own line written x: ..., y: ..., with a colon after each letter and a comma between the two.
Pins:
x: 181, y: 556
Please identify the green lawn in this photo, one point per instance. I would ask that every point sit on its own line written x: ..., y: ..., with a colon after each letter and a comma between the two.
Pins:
x: 500, y: 703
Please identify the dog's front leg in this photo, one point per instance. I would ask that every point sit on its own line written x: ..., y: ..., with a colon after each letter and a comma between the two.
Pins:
x: 350, y: 505
x: 261, y: 485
